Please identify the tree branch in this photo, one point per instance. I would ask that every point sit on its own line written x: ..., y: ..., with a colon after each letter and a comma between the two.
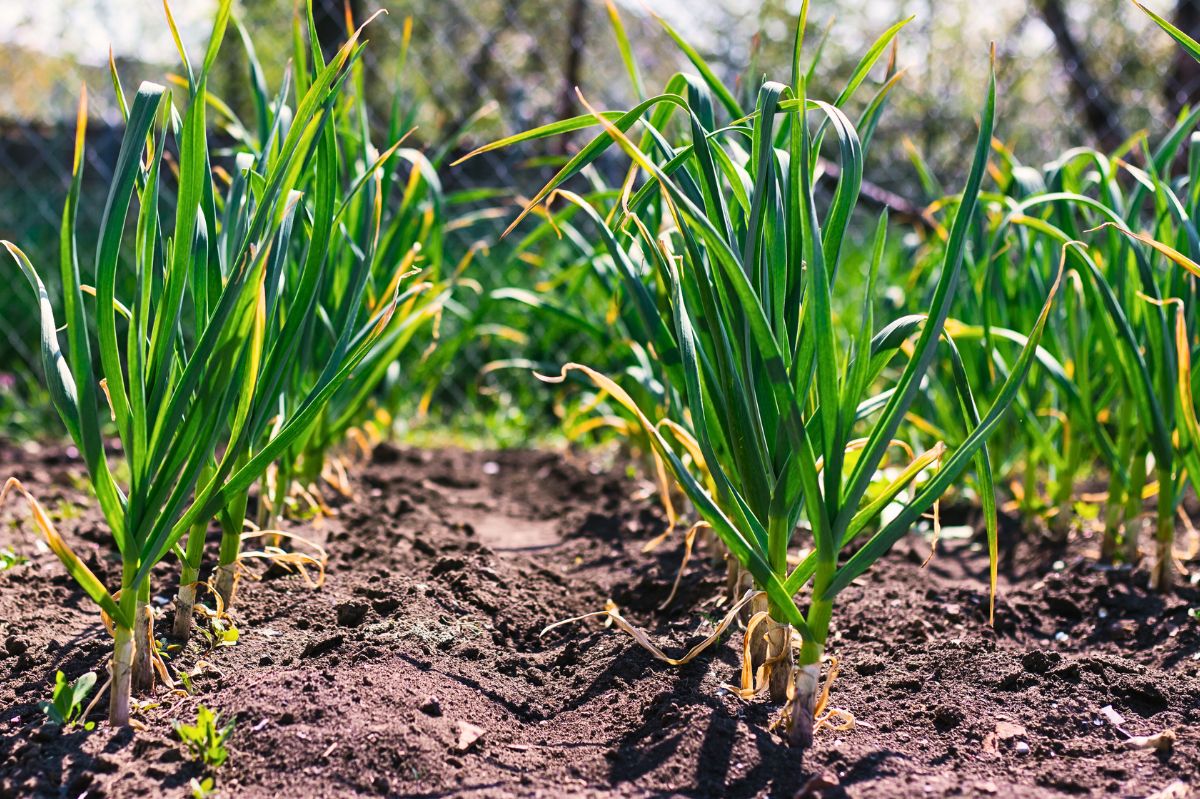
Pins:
x: 1099, y: 111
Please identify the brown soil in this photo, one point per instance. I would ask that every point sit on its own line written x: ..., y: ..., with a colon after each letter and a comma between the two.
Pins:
x: 445, y: 571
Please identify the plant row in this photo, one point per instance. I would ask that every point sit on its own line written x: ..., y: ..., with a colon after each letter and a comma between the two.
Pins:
x: 712, y: 282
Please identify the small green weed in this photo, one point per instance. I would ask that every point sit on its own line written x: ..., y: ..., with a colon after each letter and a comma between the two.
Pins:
x: 203, y: 789
x: 9, y: 559
x: 206, y: 738
x: 66, y: 702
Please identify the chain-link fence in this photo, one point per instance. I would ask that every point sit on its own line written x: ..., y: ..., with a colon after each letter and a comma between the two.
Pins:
x: 1071, y: 72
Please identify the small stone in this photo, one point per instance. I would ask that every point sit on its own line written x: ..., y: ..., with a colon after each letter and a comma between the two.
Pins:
x: 1121, y: 630
x: 1114, y: 718
x: 1006, y: 731
x: 819, y: 785
x: 1021, y: 748
x: 431, y: 706
x: 468, y: 734
x: 1176, y: 790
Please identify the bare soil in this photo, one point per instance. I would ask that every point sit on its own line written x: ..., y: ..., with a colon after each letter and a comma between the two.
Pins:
x: 448, y: 565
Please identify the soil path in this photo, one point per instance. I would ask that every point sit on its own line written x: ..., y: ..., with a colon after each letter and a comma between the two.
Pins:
x: 448, y: 566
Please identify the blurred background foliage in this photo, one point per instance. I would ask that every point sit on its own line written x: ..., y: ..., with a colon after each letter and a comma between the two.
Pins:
x: 1071, y: 72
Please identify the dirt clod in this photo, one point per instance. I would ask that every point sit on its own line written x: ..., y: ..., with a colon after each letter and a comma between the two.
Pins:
x: 351, y: 613
x: 1039, y: 661
x: 320, y: 646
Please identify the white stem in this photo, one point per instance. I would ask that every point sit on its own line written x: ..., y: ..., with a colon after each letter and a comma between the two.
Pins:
x: 804, y: 704
x: 1162, y: 577
x: 779, y: 651
x: 758, y: 644
x: 707, y: 541
x: 1133, y: 533
x: 1060, y: 524
x: 185, y: 603
x: 227, y: 583
x: 143, y: 637
x: 122, y: 671
x: 733, y: 571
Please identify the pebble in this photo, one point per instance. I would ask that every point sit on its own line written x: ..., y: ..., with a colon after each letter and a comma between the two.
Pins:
x: 1021, y: 748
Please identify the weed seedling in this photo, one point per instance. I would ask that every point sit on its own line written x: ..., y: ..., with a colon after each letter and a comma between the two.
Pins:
x: 9, y: 559
x: 202, y: 789
x: 222, y: 632
x: 206, y: 738
x: 66, y: 702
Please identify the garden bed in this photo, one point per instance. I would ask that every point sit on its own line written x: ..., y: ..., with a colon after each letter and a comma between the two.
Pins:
x: 445, y: 570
